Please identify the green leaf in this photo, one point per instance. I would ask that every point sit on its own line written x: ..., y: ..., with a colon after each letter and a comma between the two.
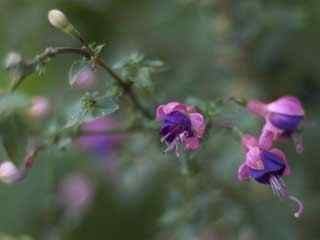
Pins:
x: 11, y: 103
x: 76, y: 115
x: 98, y: 49
x: 143, y: 78
x: 208, y: 108
x: 138, y: 70
x: 105, y: 106
x: 90, y: 107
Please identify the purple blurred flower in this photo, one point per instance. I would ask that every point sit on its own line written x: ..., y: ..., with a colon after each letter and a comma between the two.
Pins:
x: 96, y: 139
x: 267, y: 167
x: 76, y: 193
x: 180, y: 123
x: 282, y: 117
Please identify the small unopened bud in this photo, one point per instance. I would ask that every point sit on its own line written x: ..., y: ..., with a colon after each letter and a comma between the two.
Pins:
x: 40, y: 108
x: 60, y: 21
x: 12, y: 60
x: 9, y: 173
x: 83, y: 79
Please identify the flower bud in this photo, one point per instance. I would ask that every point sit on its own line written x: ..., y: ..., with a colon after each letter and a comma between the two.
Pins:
x: 83, y: 79
x: 40, y: 108
x: 9, y: 173
x: 12, y: 60
x: 58, y: 19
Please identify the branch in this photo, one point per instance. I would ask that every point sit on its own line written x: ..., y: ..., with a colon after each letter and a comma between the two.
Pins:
x: 50, y: 52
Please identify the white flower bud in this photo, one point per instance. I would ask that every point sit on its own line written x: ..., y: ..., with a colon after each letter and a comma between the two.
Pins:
x: 12, y: 60
x: 58, y: 19
x: 9, y: 173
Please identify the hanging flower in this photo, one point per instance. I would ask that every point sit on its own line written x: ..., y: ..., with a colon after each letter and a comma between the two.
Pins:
x: 267, y: 167
x: 282, y: 117
x: 180, y: 124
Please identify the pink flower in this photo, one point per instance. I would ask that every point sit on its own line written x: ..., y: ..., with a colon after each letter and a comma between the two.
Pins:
x: 75, y: 193
x: 266, y: 167
x: 40, y: 108
x: 282, y: 117
x: 180, y: 123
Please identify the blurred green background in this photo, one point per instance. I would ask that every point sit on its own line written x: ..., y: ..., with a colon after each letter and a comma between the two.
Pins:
x: 211, y: 48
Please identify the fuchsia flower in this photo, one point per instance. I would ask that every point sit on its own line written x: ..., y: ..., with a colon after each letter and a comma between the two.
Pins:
x: 267, y: 167
x: 282, y: 117
x: 180, y: 124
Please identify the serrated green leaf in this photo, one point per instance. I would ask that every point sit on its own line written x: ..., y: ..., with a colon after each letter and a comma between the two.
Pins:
x: 90, y: 107
x: 136, y: 69
x: 143, y: 78
x: 105, y: 106
x: 76, y: 115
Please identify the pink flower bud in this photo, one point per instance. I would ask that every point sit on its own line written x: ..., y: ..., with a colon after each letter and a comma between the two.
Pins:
x: 12, y: 60
x: 9, y: 173
x: 282, y: 119
x: 84, y: 79
x: 40, y: 108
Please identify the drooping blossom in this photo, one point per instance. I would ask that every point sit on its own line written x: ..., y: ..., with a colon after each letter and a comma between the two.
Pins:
x: 95, y: 137
x: 282, y: 119
x: 180, y: 124
x: 40, y: 108
x: 75, y: 193
x: 267, y: 167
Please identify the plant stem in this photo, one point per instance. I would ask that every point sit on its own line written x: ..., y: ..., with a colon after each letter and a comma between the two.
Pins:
x: 88, y: 53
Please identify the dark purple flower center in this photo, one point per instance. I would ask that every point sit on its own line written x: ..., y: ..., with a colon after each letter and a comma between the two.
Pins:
x: 174, y: 124
x: 285, y: 122
x: 273, y: 166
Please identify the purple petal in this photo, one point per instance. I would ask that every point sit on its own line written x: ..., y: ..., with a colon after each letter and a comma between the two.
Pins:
x: 287, y: 105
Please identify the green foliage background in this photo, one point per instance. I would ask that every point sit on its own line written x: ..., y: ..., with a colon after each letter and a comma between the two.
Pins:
x: 211, y: 48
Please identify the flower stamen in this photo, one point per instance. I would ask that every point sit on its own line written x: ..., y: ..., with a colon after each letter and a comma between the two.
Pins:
x: 279, y: 188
